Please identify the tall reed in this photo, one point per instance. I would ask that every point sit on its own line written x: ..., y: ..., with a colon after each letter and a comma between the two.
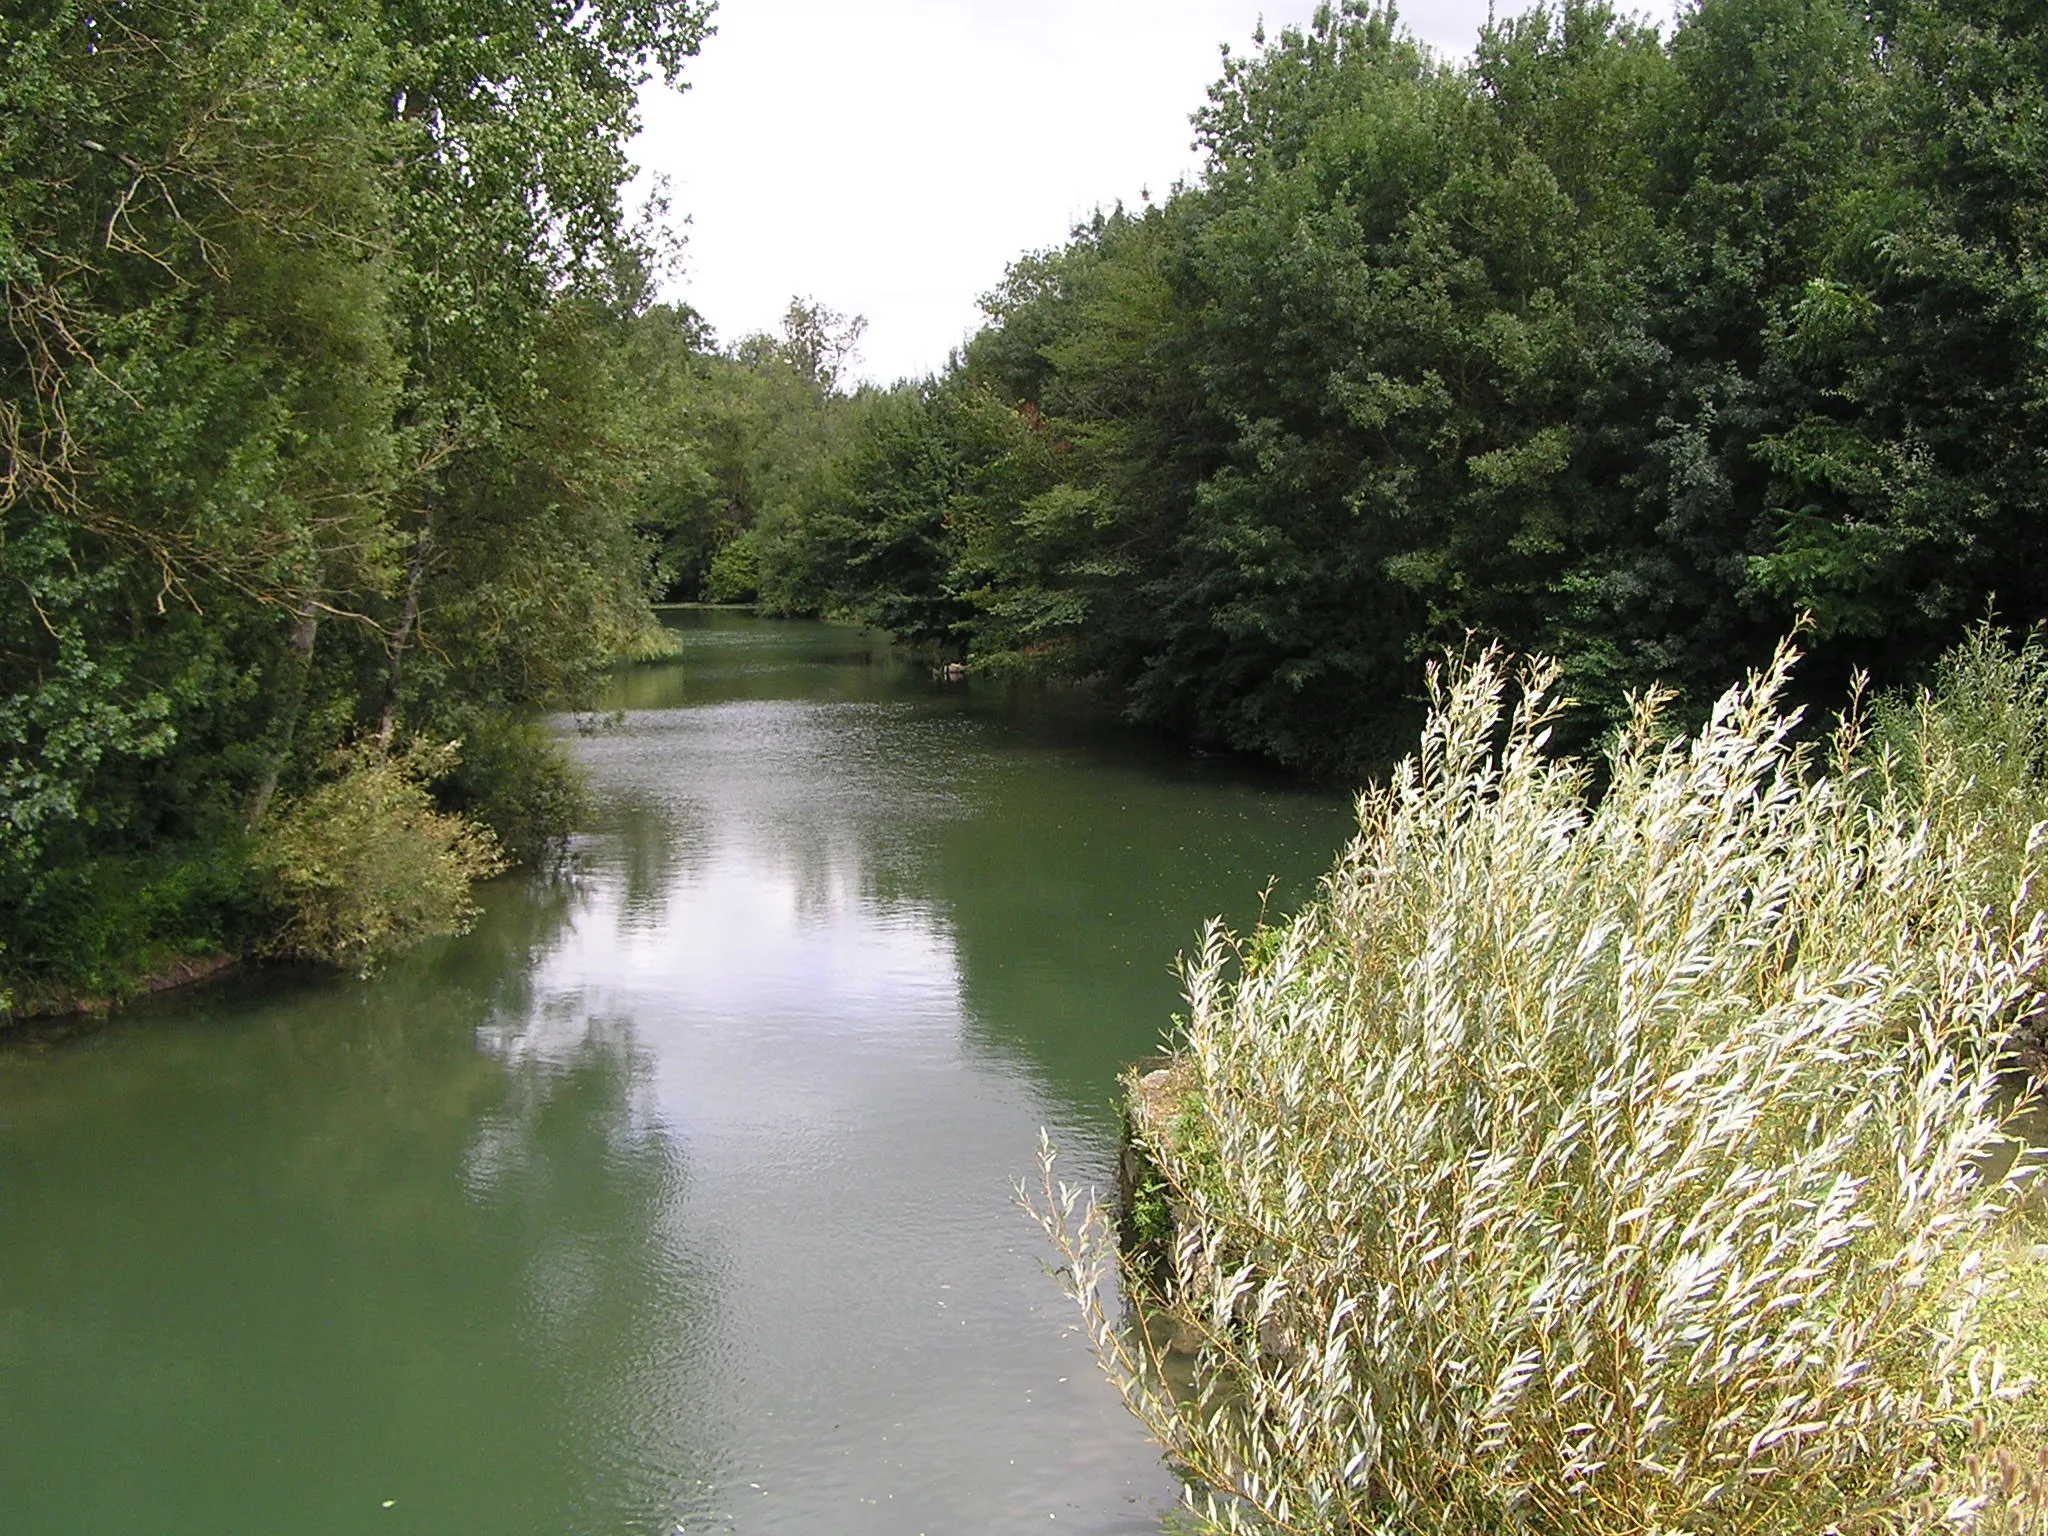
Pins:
x: 1586, y: 1167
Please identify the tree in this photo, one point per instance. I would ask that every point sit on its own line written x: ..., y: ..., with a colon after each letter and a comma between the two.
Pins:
x: 309, y: 420
x: 1626, y: 349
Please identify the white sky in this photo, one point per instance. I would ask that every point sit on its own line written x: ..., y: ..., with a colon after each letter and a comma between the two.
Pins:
x: 890, y: 157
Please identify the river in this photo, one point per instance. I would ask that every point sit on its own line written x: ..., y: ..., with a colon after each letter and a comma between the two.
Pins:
x: 677, y: 1196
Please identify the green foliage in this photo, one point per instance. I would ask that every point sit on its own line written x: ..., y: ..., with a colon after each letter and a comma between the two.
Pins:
x: 880, y: 528
x: 1623, y: 348
x: 514, y: 778
x: 364, y: 864
x: 1972, y: 750
x: 103, y: 928
x: 316, y: 414
x: 741, y: 434
x: 1151, y: 1214
x: 1588, y: 1167
x: 194, y: 379
x: 735, y: 574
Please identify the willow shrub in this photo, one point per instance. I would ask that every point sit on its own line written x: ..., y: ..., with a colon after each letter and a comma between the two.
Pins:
x: 365, y: 864
x: 1586, y: 1167
x: 1973, y: 748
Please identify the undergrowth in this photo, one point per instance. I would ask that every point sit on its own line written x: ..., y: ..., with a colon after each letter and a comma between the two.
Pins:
x: 365, y: 864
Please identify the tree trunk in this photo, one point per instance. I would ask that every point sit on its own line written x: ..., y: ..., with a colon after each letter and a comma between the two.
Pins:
x: 303, y: 634
x: 408, y: 621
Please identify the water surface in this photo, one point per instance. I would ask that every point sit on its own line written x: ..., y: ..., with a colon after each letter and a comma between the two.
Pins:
x: 677, y: 1196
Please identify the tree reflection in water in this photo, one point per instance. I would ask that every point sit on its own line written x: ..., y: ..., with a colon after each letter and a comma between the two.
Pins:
x: 298, y: 1245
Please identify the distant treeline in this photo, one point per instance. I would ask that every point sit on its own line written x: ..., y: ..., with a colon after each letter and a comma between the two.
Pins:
x: 1622, y: 347
x: 329, y: 413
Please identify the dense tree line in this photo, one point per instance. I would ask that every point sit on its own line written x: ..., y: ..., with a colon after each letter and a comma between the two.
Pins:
x: 1623, y: 347
x: 746, y: 428
x: 337, y: 422
x: 321, y: 435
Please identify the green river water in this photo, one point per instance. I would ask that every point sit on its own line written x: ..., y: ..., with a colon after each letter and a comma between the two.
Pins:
x: 677, y: 1196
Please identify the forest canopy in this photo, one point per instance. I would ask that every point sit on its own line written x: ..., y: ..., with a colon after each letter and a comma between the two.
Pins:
x: 314, y: 432
x: 1626, y: 347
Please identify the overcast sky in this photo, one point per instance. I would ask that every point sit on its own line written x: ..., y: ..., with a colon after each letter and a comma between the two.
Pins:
x: 890, y: 157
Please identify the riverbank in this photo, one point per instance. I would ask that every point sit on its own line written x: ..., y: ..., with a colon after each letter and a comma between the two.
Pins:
x: 170, y: 975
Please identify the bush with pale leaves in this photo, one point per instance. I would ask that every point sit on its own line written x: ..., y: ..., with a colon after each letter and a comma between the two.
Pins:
x: 364, y: 864
x: 1581, y: 1166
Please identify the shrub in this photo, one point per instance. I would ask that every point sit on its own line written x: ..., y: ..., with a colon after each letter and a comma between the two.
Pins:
x: 365, y: 864
x: 516, y: 779
x: 1972, y: 751
x: 735, y: 575
x: 1586, y: 1169
x: 104, y: 927
x: 652, y: 642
